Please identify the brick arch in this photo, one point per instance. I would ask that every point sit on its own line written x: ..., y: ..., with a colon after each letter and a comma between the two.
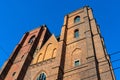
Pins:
x: 77, y: 19
x: 75, y: 50
x: 76, y: 55
x: 41, y: 71
x: 54, y: 53
x: 32, y: 38
x: 48, y: 51
x: 39, y: 58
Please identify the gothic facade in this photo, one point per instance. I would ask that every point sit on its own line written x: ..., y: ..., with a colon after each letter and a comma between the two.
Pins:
x: 77, y: 54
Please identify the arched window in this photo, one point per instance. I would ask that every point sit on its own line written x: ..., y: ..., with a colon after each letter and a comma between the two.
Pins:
x: 31, y: 39
x: 42, y: 76
x: 14, y: 74
x: 76, y: 33
x: 77, y: 19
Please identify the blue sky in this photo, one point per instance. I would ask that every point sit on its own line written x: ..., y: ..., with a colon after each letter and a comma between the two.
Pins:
x: 20, y: 16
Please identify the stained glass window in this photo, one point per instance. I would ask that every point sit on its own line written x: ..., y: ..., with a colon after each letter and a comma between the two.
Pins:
x: 42, y: 76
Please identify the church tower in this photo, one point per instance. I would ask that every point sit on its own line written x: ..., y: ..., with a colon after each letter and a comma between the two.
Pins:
x: 16, y: 66
x: 77, y: 54
x: 85, y: 54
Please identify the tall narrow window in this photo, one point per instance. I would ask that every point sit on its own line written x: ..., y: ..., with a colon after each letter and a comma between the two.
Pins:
x: 77, y: 19
x: 31, y: 39
x: 76, y: 33
x: 42, y: 76
x: 14, y: 74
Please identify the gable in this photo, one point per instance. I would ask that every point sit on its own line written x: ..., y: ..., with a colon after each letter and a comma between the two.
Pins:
x: 47, y: 52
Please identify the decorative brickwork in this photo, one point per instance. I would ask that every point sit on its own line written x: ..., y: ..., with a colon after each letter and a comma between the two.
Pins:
x: 78, y: 53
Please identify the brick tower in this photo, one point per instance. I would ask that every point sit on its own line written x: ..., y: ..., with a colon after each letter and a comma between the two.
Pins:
x: 85, y: 56
x: 77, y: 54
x: 16, y: 66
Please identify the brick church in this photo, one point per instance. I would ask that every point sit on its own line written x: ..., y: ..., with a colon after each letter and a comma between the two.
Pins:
x: 77, y: 54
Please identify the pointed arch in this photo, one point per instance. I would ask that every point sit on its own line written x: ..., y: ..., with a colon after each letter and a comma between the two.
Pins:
x: 31, y: 39
x: 48, y: 52
x: 76, y: 56
x: 54, y: 53
x: 76, y: 50
x: 39, y: 58
x: 41, y: 75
